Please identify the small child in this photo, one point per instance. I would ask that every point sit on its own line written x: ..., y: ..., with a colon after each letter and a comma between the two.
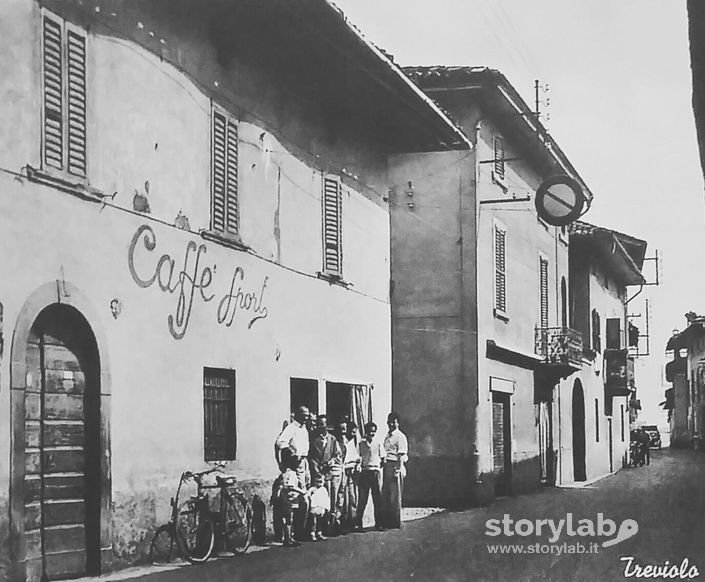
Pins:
x: 290, y: 497
x: 319, y: 504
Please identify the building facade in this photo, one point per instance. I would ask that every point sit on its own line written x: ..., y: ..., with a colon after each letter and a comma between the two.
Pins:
x: 596, y: 401
x: 195, y: 235
x: 480, y: 300
x: 685, y: 400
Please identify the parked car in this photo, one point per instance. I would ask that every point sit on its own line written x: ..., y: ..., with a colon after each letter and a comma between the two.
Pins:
x: 654, y: 435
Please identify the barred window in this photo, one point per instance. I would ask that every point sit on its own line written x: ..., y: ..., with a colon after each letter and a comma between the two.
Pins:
x: 225, y: 210
x: 63, y: 96
x: 332, y: 226
x: 220, y: 438
x: 500, y: 269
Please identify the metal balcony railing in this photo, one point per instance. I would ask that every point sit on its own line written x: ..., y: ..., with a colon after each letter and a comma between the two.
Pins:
x: 559, y: 346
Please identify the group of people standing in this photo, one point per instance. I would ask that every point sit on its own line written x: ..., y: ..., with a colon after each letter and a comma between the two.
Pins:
x: 329, y: 473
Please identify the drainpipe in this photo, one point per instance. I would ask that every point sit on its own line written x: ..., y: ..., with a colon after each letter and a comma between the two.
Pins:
x: 476, y: 476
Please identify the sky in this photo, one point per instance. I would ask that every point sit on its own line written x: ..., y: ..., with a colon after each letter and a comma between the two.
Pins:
x: 620, y: 108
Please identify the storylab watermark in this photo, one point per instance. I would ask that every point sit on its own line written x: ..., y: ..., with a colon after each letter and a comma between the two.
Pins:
x: 552, y: 531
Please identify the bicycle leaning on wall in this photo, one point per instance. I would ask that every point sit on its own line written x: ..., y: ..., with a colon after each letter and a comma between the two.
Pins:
x: 194, y: 528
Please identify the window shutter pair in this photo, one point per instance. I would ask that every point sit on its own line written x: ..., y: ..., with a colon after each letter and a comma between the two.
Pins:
x: 225, y: 214
x: 64, y: 97
x: 500, y: 268
x: 332, y: 225
x: 543, y: 284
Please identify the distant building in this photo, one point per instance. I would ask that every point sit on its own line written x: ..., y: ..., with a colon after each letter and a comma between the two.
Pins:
x: 685, y: 400
x: 596, y: 401
x: 195, y: 235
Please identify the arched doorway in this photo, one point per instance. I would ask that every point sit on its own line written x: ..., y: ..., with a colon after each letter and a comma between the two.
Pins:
x: 60, y: 485
x: 578, y: 432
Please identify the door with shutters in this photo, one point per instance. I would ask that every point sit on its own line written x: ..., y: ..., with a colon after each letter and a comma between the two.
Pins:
x: 501, y: 443
x: 62, y: 456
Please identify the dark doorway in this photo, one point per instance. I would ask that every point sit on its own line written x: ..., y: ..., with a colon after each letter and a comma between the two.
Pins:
x: 338, y: 401
x: 304, y: 392
x: 501, y: 443
x: 578, y: 432
x: 62, y: 447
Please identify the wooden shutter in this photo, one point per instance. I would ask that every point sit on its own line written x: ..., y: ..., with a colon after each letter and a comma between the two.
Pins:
x: 225, y: 212
x: 233, y: 222
x: 76, y: 93
x: 219, y: 172
x: 499, y: 157
x: 613, y: 331
x: 332, y: 227
x: 500, y: 266
x: 53, y: 94
x: 543, y: 284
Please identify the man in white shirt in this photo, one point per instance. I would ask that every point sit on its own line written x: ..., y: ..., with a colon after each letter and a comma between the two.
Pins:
x: 295, y: 438
x: 396, y: 449
x: 371, y: 456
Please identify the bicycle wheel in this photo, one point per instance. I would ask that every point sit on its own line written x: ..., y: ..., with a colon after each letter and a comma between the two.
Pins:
x: 195, y: 532
x: 163, y: 548
x: 237, y: 524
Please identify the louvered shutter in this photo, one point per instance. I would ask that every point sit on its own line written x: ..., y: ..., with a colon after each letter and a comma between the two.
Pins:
x: 543, y: 284
x: 76, y: 93
x: 53, y: 89
x: 219, y: 157
x: 332, y: 231
x: 499, y: 157
x: 233, y: 220
x: 500, y: 269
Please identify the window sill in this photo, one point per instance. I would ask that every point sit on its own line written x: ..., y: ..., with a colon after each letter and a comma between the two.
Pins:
x: 500, y: 182
x: 229, y: 240
x: 501, y: 315
x: 76, y: 187
x: 333, y: 278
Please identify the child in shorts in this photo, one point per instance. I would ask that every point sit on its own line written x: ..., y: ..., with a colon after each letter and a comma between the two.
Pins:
x: 290, y: 497
x: 319, y: 504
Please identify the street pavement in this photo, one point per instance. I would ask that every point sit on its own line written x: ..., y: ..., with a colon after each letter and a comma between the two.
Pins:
x: 666, y: 499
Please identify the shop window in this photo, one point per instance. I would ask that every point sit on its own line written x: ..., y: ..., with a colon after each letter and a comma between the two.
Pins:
x: 63, y: 53
x: 220, y: 442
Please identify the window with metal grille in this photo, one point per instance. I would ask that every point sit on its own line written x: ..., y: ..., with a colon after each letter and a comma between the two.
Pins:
x: 63, y: 96
x: 500, y: 269
x: 219, y: 436
x: 225, y: 211
x: 499, y: 157
x: 332, y: 225
x: 543, y: 290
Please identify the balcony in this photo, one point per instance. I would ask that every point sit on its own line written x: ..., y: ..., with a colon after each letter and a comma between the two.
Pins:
x: 560, y: 348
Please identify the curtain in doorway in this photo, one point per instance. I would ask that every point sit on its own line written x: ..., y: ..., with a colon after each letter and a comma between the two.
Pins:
x: 361, y: 405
